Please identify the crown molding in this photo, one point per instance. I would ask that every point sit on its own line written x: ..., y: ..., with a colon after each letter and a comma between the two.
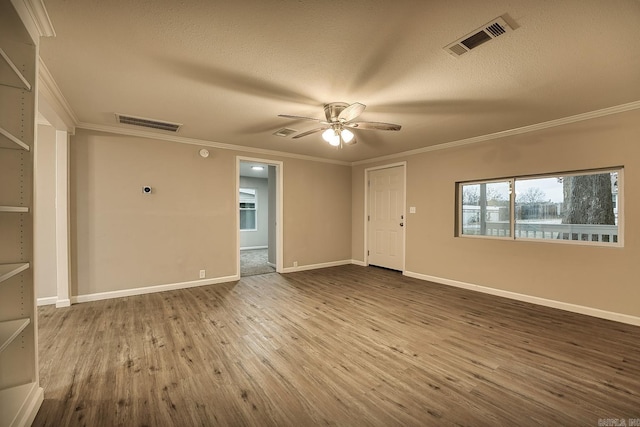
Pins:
x: 40, y: 16
x: 516, y: 131
x: 205, y: 143
x: 35, y: 18
x: 49, y: 90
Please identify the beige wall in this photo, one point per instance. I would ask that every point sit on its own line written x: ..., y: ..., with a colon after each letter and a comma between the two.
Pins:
x: 598, y: 277
x: 317, y: 213
x: 123, y: 239
x: 44, y: 216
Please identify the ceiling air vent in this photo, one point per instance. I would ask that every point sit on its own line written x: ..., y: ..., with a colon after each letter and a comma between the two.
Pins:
x: 147, y: 123
x: 284, y: 132
x: 487, y: 32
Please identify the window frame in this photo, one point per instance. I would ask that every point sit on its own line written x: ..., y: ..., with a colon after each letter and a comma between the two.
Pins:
x: 619, y: 209
x: 255, y: 209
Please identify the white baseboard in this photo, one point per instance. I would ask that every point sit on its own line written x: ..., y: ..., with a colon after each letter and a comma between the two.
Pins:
x: 61, y: 303
x: 248, y: 248
x: 315, y: 266
x: 152, y: 289
x: 47, y: 301
x: 589, y: 311
x: 358, y: 262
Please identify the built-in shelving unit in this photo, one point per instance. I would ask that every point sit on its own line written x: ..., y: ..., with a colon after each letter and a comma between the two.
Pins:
x: 7, y: 271
x: 20, y: 391
x: 14, y: 209
x: 11, y: 141
x: 10, y: 330
x: 11, y: 399
x: 10, y: 75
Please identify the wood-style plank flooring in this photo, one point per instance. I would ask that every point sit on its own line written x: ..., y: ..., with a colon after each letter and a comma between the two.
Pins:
x: 344, y: 346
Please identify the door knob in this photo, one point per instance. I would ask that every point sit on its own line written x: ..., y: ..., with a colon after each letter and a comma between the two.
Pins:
x: 402, y: 224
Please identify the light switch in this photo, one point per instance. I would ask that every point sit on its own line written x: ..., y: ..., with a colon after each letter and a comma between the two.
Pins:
x: 412, y: 209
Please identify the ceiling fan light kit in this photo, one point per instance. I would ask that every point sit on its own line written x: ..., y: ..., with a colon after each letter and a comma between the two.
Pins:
x: 337, y: 137
x: 339, y: 116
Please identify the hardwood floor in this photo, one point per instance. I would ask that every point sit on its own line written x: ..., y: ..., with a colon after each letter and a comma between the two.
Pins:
x: 340, y: 346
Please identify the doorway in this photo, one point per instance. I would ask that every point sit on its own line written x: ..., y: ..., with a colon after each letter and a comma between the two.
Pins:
x: 386, y: 218
x: 259, y: 209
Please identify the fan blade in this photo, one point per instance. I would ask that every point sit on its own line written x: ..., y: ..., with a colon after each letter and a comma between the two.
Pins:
x: 288, y: 116
x: 373, y: 126
x: 351, y: 112
x: 309, y: 132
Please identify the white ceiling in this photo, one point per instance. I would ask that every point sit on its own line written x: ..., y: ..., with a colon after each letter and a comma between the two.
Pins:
x: 226, y: 69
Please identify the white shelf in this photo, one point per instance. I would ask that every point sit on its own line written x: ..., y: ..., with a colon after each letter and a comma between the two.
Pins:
x: 13, y: 139
x: 7, y: 271
x: 20, y: 209
x: 9, y: 72
x: 16, y: 401
x: 10, y: 329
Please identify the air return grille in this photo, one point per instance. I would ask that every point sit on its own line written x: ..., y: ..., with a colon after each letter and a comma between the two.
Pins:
x: 147, y: 123
x: 487, y: 32
x: 284, y: 132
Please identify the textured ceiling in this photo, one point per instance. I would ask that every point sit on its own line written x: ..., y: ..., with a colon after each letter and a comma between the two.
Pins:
x: 226, y: 69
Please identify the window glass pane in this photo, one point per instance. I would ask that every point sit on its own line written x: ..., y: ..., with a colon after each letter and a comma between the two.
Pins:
x: 568, y: 207
x: 486, y: 209
x: 248, y: 209
x: 247, y: 220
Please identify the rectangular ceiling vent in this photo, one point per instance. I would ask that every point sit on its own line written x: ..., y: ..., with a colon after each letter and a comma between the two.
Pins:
x: 284, y: 132
x: 487, y: 32
x: 148, y: 123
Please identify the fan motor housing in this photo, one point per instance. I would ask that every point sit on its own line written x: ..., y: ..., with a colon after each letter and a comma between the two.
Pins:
x: 333, y: 110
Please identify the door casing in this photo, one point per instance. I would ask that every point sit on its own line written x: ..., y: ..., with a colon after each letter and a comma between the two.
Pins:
x: 279, y: 197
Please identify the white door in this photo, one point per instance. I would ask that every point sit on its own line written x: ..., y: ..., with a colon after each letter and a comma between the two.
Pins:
x: 386, y: 217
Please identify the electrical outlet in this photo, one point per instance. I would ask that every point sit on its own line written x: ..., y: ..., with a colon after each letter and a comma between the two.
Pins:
x: 295, y: 263
x: 203, y: 274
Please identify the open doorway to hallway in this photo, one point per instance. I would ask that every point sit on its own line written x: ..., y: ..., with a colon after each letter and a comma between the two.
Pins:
x: 258, y: 206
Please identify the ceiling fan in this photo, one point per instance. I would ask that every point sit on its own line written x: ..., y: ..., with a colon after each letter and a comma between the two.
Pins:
x: 341, y: 116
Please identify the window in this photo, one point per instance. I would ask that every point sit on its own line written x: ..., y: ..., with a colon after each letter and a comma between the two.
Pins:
x: 577, y: 207
x: 248, y: 203
x: 486, y: 209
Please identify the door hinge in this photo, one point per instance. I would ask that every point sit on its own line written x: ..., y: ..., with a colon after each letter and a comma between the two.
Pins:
x: 368, y: 217
x: 367, y: 253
